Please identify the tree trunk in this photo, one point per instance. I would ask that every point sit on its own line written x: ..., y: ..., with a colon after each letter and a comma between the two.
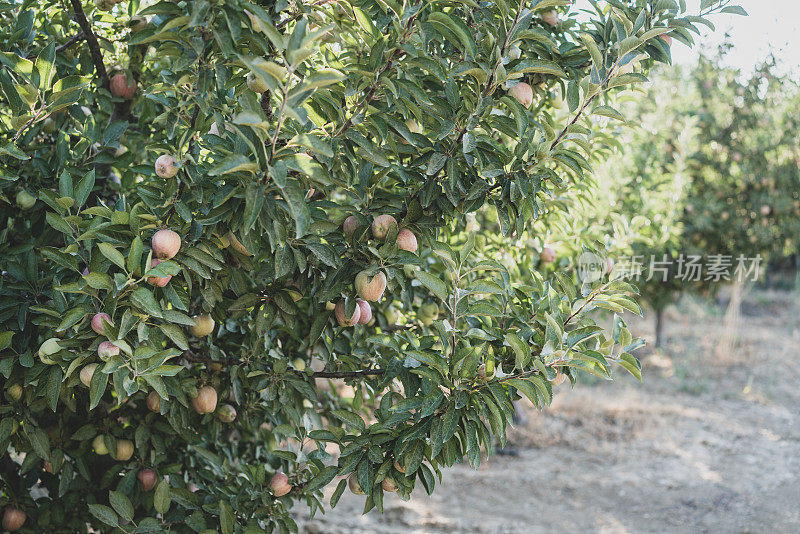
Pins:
x: 659, y: 327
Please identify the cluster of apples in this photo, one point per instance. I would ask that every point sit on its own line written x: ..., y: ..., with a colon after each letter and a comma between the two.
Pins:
x: 388, y: 484
x: 369, y: 285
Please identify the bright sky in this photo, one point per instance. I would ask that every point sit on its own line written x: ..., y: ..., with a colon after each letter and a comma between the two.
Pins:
x: 772, y: 25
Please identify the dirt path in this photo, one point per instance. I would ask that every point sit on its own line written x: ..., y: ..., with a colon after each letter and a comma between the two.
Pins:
x: 699, y: 447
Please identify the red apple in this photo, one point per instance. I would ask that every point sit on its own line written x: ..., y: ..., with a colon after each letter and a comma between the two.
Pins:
x: 355, y: 487
x: 206, y: 400
x: 13, y: 519
x: 148, y: 479
x: 226, y: 413
x: 165, y: 244
x: 97, y: 322
x: 406, y: 240
x: 350, y: 225
x: 157, y: 281
x: 153, y: 402
x: 165, y: 166
x: 381, y: 225
x: 370, y: 288
x: 280, y: 484
x: 120, y: 88
x: 340, y: 317
x: 365, y: 310
x: 548, y: 255
x: 523, y: 93
x: 107, y: 350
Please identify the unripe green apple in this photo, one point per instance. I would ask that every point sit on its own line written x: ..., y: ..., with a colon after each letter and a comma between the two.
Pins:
x: 428, y: 313
x: 87, y: 373
x: 299, y: 364
x: 25, y: 200
x: 355, y: 487
x: 15, y: 392
x: 280, y: 484
x: 256, y: 84
x: 370, y: 288
x: 165, y: 244
x: 206, y: 400
x: 203, y: 325
x: 165, y: 166
x: 226, y: 413
x: 48, y: 348
x: 99, y: 445
x: 340, y: 315
x: 381, y: 225
x: 124, y: 450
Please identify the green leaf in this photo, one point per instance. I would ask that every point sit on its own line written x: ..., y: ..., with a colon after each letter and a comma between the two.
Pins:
x: 437, y: 286
x: 121, y: 504
x: 322, y: 479
x: 349, y: 418
x: 226, y: 518
x: 161, y: 498
x: 112, y: 254
x: 97, y: 387
x: 98, y: 280
x: 176, y: 335
x: 104, y: 514
x: 144, y: 299
x: 522, y: 352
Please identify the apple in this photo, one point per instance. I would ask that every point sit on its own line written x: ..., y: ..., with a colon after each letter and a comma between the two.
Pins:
x: 355, y: 487
x: 550, y: 17
x: 97, y: 321
x: 25, y: 200
x: 13, y: 519
x: 399, y: 467
x: 157, y: 281
x: 148, y: 479
x: 765, y: 210
x: 124, y: 450
x: 256, y: 84
x: 548, y: 255
x: 280, y: 484
x: 15, y: 392
x: 99, y: 445
x: 206, y: 400
x: 370, y: 288
x: 667, y: 39
x: 226, y: 413
x: 299, y: 364
x: 522, y: 93
x: 428, y: 313
x: 153, y: 401
x: 47, y: 349
x: 166, y: 166
x: 120, y: 88
x: 330, y: 306
x: 106, y: 350
x: 381, y: 225
x: 203, y: 325
x: 350, y: 226
x: 406, y: 240
x: 165, y: 244
x: 344, y: 321
x: 365, y: 315
x: 389, y: 484
x: 104, y: 5
x: 87, y: 373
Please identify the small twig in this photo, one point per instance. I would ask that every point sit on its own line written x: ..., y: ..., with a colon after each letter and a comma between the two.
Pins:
x: 346, y: 374
x: 91, y: 40
x: 74, y: 39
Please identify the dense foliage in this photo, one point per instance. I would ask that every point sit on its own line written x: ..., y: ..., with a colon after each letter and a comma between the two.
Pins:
x: 195, y: 193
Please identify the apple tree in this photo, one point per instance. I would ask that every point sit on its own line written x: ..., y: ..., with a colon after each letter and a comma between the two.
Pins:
x: 241, y: 247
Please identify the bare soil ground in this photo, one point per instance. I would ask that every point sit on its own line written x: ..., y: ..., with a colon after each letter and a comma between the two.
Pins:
x: 702, y: 445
